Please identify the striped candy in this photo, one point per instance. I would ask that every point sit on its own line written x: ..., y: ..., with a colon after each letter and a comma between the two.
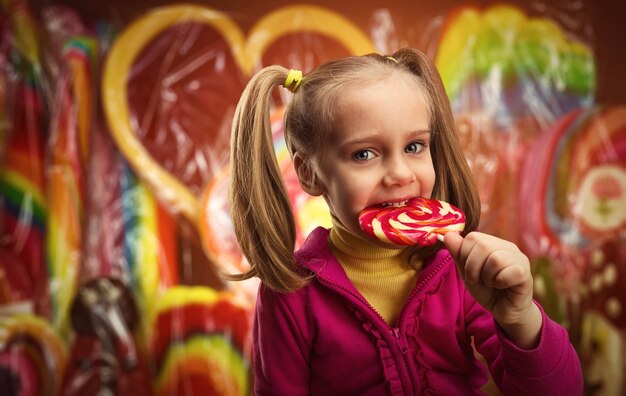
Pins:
x: 416, y: 223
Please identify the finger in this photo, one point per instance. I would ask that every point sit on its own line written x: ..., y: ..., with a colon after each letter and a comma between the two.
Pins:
x: 453, y: 242
x: 512, y: 277
x: 495, y: 263
x: 476, y: 252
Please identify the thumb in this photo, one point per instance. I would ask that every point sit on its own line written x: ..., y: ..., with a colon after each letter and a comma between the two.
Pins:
x: 453, y: 242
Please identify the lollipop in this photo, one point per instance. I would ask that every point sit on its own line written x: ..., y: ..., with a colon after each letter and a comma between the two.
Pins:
x: 32, y: 356
x: 201, y: 343
x: 508, y: 76
x: 419, y: 222
x: 173, y: 48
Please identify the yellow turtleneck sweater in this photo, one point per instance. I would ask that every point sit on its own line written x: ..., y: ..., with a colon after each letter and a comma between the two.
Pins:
x: 383, y: 276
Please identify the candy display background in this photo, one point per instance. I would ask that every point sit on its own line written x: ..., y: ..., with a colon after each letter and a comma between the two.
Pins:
x: 413, y: 24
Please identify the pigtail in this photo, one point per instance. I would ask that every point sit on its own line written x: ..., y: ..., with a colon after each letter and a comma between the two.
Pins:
x: 259, y: 205
x: 454, y: 182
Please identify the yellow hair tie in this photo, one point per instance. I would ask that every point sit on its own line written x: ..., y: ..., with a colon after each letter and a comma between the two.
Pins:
x: 293, y: 80
x: 392, y: 59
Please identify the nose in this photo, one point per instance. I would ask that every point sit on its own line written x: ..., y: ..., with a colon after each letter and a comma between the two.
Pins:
x: 398, y: 172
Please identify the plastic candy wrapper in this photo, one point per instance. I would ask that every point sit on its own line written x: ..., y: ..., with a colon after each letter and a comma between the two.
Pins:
x: 575, y: 232
x: 114, y: 172
x: 68, y: 146
x: 575, y: 173
x: 105, y: 354
x: 195, y: 133
x: 32, y: 356
x: 209, y: 350
x: 22, y: 174
x: 509, y: 75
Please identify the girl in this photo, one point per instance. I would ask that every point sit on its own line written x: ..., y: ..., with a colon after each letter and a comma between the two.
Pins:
x: 347, y: 314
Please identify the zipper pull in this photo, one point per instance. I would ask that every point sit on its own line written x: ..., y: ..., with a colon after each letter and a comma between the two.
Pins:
x: 399, y: 340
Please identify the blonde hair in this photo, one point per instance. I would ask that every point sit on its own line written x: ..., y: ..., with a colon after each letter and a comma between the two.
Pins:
x: 259, y: 205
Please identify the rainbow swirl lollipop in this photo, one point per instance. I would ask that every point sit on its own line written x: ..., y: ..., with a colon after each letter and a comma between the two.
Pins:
x: 416, y: 223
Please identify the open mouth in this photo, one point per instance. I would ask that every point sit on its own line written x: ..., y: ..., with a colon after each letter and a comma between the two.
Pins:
x: 394, y: 204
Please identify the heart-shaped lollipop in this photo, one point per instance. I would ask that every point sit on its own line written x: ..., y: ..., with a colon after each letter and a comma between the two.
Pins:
x: 142, y: 56
x: 416, y: 223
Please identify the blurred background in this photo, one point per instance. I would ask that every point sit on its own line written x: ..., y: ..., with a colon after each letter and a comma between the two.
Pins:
x: 114, y: 133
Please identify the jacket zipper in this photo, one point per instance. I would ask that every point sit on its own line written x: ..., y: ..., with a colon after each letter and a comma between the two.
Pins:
x: 357, y: 296
x: 415, y: 290
x: 395, y: 330
x: 402, y: 345
x: 400, y: 340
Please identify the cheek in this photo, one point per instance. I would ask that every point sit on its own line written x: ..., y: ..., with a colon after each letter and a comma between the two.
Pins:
x: 428, y: 178
x: 432, y: 177
x: 351, y: 193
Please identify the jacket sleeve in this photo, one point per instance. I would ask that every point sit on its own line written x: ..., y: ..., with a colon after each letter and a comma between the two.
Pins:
x: 280, y: 348
x: 551, y: 368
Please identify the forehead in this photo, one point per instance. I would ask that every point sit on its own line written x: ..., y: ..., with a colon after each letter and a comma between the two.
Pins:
x: 391, y: 104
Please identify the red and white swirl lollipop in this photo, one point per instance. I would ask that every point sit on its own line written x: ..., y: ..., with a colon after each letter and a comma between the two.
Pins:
x: 419, y: 222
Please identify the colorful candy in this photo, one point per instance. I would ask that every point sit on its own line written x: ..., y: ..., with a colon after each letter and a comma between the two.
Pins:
x: 105, y: 355
x: 416, y: 223
x: 33, y: 354
x: 500, y: 50
x: 201, y: 343
x: 509, y: 75
x: 23, y: 114
x: 575, y: 176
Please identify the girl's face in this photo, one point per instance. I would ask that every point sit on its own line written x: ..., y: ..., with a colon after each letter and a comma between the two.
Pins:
x: 379, y: 152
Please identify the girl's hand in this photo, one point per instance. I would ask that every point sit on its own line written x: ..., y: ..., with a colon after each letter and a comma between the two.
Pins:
x: 497, y: 274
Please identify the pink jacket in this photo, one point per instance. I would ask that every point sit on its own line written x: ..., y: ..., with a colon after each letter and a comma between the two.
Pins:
x: 325, y: 339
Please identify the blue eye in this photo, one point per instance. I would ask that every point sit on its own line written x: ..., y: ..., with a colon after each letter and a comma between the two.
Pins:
x: 414, y: 147
x: 363, y: 155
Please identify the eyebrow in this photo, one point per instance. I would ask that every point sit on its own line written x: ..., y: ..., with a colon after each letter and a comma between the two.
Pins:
x: 373, y: 137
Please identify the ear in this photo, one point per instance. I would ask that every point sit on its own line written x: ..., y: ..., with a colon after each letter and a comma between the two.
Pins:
x: 307, y: 177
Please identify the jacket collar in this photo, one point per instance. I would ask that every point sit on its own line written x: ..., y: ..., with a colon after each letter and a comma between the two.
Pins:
x: 316, y: 256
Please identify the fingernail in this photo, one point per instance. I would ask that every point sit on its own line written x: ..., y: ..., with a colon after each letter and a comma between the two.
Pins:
x: 440, y: 237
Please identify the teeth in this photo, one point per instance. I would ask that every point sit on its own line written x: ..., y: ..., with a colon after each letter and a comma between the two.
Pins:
x: 394, y: 204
